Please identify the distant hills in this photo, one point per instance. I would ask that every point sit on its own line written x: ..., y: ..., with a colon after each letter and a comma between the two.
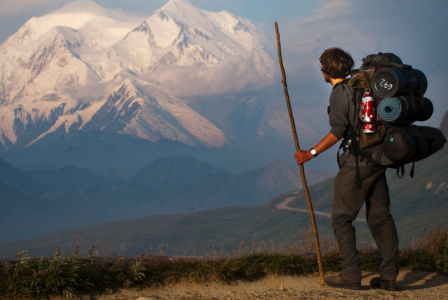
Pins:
x: 45, y: 200
x: 229, y: 228
x: 417, y: 204
x: 11, y: 176
x: 122, y: 156
x: 71, y: 178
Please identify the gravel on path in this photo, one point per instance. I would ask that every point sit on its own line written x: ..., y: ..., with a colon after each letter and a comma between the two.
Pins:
x: 411, y: 285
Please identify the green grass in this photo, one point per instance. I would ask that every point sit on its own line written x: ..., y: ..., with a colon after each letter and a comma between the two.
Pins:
x: 73, y: 274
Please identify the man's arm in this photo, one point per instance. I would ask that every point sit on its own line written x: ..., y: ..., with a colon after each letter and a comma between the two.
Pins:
x: 326, y: 143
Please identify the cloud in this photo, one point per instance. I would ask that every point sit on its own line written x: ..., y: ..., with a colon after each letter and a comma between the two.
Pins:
x: 414, y: 30
x: 365, y: 27
x: 91, y: 92
x: 20, y: 6
x: 232, y: 75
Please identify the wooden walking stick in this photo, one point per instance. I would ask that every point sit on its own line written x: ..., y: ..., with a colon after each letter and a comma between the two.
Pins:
x: 302, y: 169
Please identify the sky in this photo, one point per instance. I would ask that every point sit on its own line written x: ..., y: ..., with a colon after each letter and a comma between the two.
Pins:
x: 415, y: 30
x: 15, y: 13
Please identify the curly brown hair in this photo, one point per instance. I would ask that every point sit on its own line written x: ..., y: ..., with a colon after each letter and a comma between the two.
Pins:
x: 336, y: 63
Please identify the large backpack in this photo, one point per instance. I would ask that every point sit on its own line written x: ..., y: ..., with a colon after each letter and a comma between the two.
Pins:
x: 399, y: 93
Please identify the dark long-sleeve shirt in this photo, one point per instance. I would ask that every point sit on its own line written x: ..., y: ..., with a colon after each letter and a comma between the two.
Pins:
x: 341, y: 115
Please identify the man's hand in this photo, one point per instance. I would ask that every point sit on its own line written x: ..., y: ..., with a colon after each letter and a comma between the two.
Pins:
x: 303, y: 156
x: 328, y: 141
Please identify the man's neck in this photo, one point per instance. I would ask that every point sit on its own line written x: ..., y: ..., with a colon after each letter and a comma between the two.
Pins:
x: 334, y: 81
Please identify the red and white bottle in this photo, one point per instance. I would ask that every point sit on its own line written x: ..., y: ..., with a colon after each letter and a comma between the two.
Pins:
x: 368, y: 113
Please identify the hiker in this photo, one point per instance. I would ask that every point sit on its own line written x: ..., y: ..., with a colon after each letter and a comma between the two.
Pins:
x: 349, y: 196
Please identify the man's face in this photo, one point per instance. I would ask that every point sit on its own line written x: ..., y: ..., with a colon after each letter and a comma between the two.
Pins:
x: 326, y: 77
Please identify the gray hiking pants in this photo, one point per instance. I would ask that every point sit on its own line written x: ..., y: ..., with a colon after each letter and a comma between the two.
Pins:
x: 347, y: 202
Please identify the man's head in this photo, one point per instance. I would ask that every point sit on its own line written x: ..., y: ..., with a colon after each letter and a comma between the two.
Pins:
x: 336, y: 64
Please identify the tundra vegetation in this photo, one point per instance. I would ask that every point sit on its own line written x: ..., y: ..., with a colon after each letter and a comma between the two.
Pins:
x: 73, y: 274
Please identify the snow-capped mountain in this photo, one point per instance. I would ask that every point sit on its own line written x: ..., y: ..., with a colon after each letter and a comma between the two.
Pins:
x: 180, y: 34
x: 86, y: 67
x: 147, y: 115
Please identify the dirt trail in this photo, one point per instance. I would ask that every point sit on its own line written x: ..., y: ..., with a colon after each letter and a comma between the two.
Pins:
x: 284, y: 206
x: 411, y: 285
